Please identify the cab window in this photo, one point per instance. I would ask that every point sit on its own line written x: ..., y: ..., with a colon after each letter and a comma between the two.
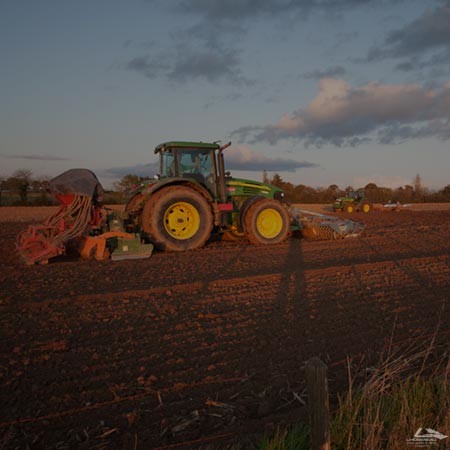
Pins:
x: 195, y: 162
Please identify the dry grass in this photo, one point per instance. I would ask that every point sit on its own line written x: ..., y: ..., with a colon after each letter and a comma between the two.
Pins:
x: 409, y: 389
x: 405, y: 392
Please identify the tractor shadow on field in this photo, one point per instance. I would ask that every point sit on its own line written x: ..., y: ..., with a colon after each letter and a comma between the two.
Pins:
x: 292, y: 282
x: 288, y: 302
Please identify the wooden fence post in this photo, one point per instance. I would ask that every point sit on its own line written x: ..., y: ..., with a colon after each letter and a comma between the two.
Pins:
x: 317, y: 386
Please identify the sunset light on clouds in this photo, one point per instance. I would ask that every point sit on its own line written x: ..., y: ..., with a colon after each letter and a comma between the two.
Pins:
x: 320, y: 92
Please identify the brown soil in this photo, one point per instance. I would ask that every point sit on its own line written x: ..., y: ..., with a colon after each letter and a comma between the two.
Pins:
x: 40, y: 213
x: 192, y: 349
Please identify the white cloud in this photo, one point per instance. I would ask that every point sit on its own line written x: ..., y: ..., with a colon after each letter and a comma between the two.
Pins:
x: 344, y: 115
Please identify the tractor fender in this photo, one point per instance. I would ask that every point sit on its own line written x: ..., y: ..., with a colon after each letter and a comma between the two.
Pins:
x: 137, y: 202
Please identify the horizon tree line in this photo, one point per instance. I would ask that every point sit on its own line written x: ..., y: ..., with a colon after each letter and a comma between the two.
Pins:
x: 23, y: 188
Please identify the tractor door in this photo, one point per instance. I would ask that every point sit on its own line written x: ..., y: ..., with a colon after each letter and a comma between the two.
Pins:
x: 199, y: 165
x: 168, y: 164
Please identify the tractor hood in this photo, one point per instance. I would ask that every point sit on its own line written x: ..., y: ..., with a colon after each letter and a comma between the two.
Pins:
x: 240, y: 186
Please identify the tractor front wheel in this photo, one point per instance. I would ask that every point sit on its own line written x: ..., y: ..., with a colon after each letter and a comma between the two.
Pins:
x: 266, y: 221
x: 366, y: 207
x: 177, y: 218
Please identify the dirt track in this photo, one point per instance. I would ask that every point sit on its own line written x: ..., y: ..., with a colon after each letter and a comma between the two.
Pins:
x: 207, y: 345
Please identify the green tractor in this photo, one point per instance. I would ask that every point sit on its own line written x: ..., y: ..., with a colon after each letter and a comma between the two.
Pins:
x: 193, y: 196
x: 354, y: 201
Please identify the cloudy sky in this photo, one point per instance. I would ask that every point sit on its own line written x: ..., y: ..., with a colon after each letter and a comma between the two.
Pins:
x: 320, y: 91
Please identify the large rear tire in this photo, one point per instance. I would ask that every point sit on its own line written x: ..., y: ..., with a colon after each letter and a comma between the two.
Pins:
x: 177, y: 218
x: 349, y: 208
x: 266, y: 221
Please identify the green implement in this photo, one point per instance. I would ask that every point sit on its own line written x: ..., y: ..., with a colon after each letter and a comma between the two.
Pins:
x: 130, y: 249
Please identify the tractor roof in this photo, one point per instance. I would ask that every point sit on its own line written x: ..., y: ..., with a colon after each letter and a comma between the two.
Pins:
x: 184, y: 144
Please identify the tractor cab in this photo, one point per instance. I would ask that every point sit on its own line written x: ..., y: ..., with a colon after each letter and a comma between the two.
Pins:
x: 190, y: 160
x: 356, y: 195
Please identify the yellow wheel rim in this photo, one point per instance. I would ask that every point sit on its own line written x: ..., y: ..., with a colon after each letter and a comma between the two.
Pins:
x: 269, y: 223
x: 181, y: 220
x: 366, y: 208
x: 349, y: 209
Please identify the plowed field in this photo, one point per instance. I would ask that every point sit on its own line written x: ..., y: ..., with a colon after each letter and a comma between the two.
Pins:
x: 198, y: 348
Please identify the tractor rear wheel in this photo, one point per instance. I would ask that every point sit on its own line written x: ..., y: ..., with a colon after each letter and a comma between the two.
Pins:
x: 266, y: 221
x: 177, y: 218
x: 349, y: 208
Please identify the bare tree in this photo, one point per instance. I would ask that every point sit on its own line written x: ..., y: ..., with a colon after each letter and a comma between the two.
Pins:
x: 418, y: 188
x: 20, y: 182
x: 127, y: 183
